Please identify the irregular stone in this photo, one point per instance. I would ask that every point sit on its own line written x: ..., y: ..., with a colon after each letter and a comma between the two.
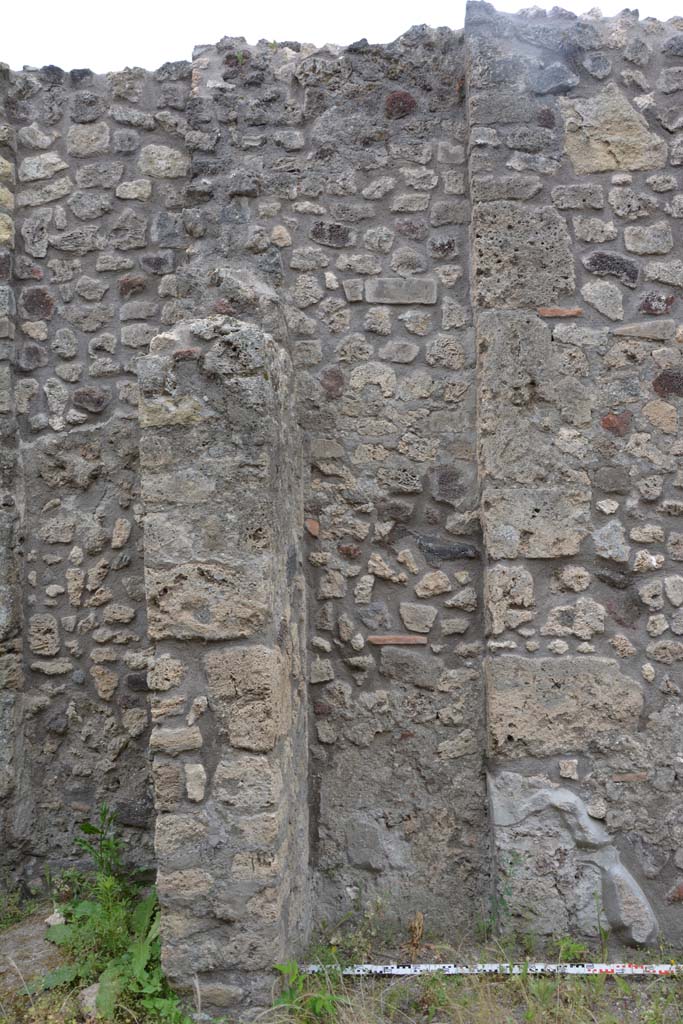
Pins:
x: 88, y: 139
x: 654, y: 238
x: 605, y: 133
x: 43, y: 635
x: 509, y: 594
x: 614, y: 264
x: 605, y: 297
x: 592, y: 229
x: 432, y: 584
x: 329, y: 233
x: 658, y: 330
x: 610, y: 542
x: 668, y: 272
x: 37, y: 168
x: 554, y: 79
x: 157, y: 161
x: 656, y: 303
x: 417, y: 617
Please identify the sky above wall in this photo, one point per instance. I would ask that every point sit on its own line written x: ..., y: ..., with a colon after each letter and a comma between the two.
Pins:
x: 107, y: 36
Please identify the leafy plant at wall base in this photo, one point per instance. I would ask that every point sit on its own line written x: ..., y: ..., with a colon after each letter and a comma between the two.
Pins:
x: 111, y: 936
x: 304, y: 996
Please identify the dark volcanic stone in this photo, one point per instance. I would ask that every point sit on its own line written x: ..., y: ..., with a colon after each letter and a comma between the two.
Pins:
x: 614, y: 265
x: 91, y: 398
x: 375, y: 615
x: 158, y: 263
x: 674, y: 46
x: 668, y: 382
x: 617, y: 580
x: 555, y: 80
x: 436, y: 550
x: 38, y: 302
x: 329, y: 233
x: 137, y: 681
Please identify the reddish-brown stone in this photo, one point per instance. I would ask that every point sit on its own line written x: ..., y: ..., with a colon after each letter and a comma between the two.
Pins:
x: 675, y: 895
x: 399, y: 104
x: 668, y: 382
x: 132, y: 284
x: 332, y: 382
x: 349, y: 550
x: 223, y: 306
x: 656, y: 303
x: 313, y: 527
x: 38, y: 302
x: 630, y: 777
x: 618, y: 423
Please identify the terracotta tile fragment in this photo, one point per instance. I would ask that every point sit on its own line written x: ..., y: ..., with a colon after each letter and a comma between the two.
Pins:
x: 396, y: 639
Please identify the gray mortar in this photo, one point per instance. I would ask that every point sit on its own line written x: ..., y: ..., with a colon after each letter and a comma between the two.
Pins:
x: 339, y: 446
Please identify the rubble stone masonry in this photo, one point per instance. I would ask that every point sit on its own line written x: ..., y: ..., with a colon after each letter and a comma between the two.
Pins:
x: 341, y: 482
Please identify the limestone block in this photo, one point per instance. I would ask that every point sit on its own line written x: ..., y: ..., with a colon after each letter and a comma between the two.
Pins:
x: 163, y: 162
x: 401, y: 290
x: 247, y: 693
x: 203, y: 600
x: 548, y: 706
x: 521, y: 255
x: 541, y: 522
x: 605, y: 133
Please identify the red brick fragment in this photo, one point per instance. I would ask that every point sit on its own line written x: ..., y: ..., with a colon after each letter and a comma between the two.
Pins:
x: 396, y: 639
x: 618, y: 423
x: 558, y: 311
x: 313, y: 527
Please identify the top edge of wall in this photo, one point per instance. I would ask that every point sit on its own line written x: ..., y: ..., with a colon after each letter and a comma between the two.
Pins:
x: 477, y: 12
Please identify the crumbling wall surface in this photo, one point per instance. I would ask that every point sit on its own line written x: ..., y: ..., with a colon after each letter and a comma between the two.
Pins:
x: 574, y: 174
x: 101, y: 174
x: 221, y: 488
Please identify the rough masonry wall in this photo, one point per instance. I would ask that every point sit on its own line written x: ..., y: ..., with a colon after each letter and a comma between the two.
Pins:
x: 575, y: 229
x: 98, y: 227
x: 405, y: 462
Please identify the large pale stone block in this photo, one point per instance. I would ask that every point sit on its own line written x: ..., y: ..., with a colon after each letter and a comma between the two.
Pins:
x: 521, y: 255
x: 547, y: 706
x: 206, y: 601
x: 246, y: 693
x: 605, y: 133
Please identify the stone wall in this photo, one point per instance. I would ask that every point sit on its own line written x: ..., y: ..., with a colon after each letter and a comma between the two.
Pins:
x: 377, y: 349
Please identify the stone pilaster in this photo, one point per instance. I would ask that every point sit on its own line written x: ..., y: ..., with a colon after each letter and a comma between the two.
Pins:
x: 221, y: 486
